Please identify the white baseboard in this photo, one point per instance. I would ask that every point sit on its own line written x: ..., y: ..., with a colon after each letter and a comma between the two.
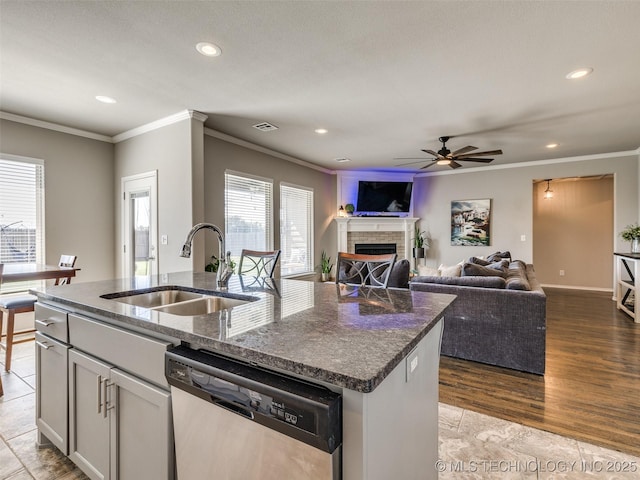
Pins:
x: 576, y: 287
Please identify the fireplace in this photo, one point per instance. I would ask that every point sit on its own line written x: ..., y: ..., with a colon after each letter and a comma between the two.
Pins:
x: 375, y: 248
x: 379, y: 230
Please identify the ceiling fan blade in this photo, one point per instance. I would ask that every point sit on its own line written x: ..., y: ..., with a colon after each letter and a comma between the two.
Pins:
x: 454, y: 164
x: 466, y: 149
x: 431, y: 152
x: 482, y: 160
x: 488, y: 152
x: 428, y: 165
x: 417, y: 160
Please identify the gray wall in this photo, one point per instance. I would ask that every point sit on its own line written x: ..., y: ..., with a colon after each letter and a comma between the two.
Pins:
x: 221, y: 155
x: 79, y: 194
x: 512, y: 210
x: 173, y: 151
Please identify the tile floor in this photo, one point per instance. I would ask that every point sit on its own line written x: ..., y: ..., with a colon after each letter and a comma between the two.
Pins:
x: 472, y: 445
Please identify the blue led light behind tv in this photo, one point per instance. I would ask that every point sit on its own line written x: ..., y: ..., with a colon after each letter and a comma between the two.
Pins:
x: 381, y: 197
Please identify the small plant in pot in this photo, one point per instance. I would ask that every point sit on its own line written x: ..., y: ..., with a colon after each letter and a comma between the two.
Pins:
x: 631, y: 233
x: 325, y: 266
x: 349, y: 208
x: 420, y: 243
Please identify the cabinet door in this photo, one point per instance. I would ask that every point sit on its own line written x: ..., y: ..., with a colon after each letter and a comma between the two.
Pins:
x: 141, y: 429
x: 52, y: 391
x: 88, y: 414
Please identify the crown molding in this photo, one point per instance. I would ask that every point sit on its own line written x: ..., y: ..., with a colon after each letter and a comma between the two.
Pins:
x: 54, y: 126
x: 163, y: 122
x: 535, y: 163
x: 268, y: 151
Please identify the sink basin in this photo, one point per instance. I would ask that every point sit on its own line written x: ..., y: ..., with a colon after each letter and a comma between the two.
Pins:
x: 201, y: 306
x: 158, y: 298
x: 179, y: 300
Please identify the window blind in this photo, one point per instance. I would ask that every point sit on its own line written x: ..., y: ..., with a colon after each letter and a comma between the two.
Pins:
x: 296, y: 230
x: 21, y: 216
x: 248, y: 203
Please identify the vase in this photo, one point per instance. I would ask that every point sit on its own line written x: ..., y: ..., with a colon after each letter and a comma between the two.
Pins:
x: 324, y: 277
x: 418, y: 252
x: 635, y: 245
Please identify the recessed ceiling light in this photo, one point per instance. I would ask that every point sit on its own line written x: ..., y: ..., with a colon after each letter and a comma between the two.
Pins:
x: 581, y: 72
x: 552, y: 145
x: 208, y: 49
x: 105, y: 99
x: 342, y: 160
x: 321, y: 131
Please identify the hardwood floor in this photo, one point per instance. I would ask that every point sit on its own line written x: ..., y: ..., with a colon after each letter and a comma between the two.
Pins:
x: 591, y: 389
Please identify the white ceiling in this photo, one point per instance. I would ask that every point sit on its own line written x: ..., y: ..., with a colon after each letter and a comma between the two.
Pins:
x: 385, y: 78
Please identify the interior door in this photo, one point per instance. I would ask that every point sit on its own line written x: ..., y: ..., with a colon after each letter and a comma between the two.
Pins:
x: 140, y: 225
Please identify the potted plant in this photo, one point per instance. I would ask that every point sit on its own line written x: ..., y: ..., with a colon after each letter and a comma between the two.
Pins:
x: 420, y: 243
x: 631, y: 233
x: 349, y: 208
x: 325, y: 266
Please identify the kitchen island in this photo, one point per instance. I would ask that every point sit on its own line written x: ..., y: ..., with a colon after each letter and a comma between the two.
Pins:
x: 378, y: 348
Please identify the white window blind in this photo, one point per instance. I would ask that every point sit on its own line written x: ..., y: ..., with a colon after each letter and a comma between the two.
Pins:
x: 21, y: 215
x: 248, y: 204
x: 296, y: 230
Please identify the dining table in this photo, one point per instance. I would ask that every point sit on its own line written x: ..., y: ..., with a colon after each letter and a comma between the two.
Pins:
x: 21, y: 272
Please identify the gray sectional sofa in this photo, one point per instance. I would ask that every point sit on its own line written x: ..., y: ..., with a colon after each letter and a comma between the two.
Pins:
x: 498, y: 319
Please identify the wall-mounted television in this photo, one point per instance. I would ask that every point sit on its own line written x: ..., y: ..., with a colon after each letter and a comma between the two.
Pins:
x: 384, y: 196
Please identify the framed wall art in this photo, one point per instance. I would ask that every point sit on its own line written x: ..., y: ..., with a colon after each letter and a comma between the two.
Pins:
x: 471, y: 222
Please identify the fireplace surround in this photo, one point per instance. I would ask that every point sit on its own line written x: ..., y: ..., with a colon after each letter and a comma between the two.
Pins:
x: 376, y: 230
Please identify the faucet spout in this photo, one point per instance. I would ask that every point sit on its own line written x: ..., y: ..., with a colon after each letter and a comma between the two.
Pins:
x: 224, y: 270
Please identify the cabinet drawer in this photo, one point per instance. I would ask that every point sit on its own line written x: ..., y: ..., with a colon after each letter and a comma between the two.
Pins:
x: 52, y: 322
x: 143, y: 356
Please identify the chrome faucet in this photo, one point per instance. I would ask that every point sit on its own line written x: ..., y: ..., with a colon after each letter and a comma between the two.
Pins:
x: 224, y: 268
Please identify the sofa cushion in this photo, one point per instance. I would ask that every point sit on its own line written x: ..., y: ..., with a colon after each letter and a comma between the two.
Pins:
x: 498, y: 269
x: 425, y: 271
x: 478, y: 261
x: 399, y: 277
x: 486, y: 282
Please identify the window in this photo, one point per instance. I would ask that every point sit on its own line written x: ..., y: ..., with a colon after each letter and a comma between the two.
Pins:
x: 21, y: 214
x: 296, y: 229
x: 248, y: 206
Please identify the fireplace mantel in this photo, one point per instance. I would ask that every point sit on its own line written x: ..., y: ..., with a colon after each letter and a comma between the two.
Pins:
x: 375, y: 224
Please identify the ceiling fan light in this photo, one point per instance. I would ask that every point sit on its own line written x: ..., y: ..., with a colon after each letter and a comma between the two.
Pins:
x: 443, y: 161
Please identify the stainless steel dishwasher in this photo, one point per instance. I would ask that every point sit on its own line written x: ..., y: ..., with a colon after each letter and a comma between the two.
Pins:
x: 234, y: 421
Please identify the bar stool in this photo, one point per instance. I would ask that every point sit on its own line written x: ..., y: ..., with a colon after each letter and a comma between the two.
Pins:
x: 10, y: 304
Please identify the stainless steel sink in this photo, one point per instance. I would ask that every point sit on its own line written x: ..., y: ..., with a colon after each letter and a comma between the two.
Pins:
x: 201, y: 306
x: 179, y: 301
x: 158, y: 298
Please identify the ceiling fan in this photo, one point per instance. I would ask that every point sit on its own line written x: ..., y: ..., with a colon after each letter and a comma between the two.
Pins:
x: 444, y: 156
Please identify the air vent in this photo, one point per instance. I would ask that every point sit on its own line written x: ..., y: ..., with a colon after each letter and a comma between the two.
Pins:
x: 265, y: 127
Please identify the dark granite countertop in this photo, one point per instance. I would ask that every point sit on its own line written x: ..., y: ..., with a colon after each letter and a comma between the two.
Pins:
x: 345, y: 336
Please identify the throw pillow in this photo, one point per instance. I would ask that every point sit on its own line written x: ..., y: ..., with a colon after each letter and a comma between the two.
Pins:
x: 494, y: 257
x: 479, y: 261
x: 425, y: 271
x: 453, y: 271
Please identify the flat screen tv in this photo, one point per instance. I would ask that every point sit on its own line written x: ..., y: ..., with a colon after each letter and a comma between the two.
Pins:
x: 384, y: 196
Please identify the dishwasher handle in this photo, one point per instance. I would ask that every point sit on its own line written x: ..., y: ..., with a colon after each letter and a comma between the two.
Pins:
x: 232, y: 407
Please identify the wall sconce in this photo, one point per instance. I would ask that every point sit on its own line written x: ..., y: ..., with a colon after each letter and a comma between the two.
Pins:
x: 548, y: 193
x: 341, y: 212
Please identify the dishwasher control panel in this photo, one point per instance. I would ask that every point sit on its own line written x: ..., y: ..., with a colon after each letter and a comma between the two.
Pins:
x: 289, y: 405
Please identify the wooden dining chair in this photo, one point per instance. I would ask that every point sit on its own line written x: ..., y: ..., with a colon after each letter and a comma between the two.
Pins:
x: 10, y: 305
x: 365, y: 270
x: 68, y: 261
x: 257, y: 263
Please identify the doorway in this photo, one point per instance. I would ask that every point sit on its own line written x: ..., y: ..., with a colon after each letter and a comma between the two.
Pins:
x: 573, y: 231
x: 140, y: 225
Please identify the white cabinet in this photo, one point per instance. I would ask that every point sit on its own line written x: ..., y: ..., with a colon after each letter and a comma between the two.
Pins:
x: 51, y: 377
x: 119, y: 425
x: 51, y: 388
